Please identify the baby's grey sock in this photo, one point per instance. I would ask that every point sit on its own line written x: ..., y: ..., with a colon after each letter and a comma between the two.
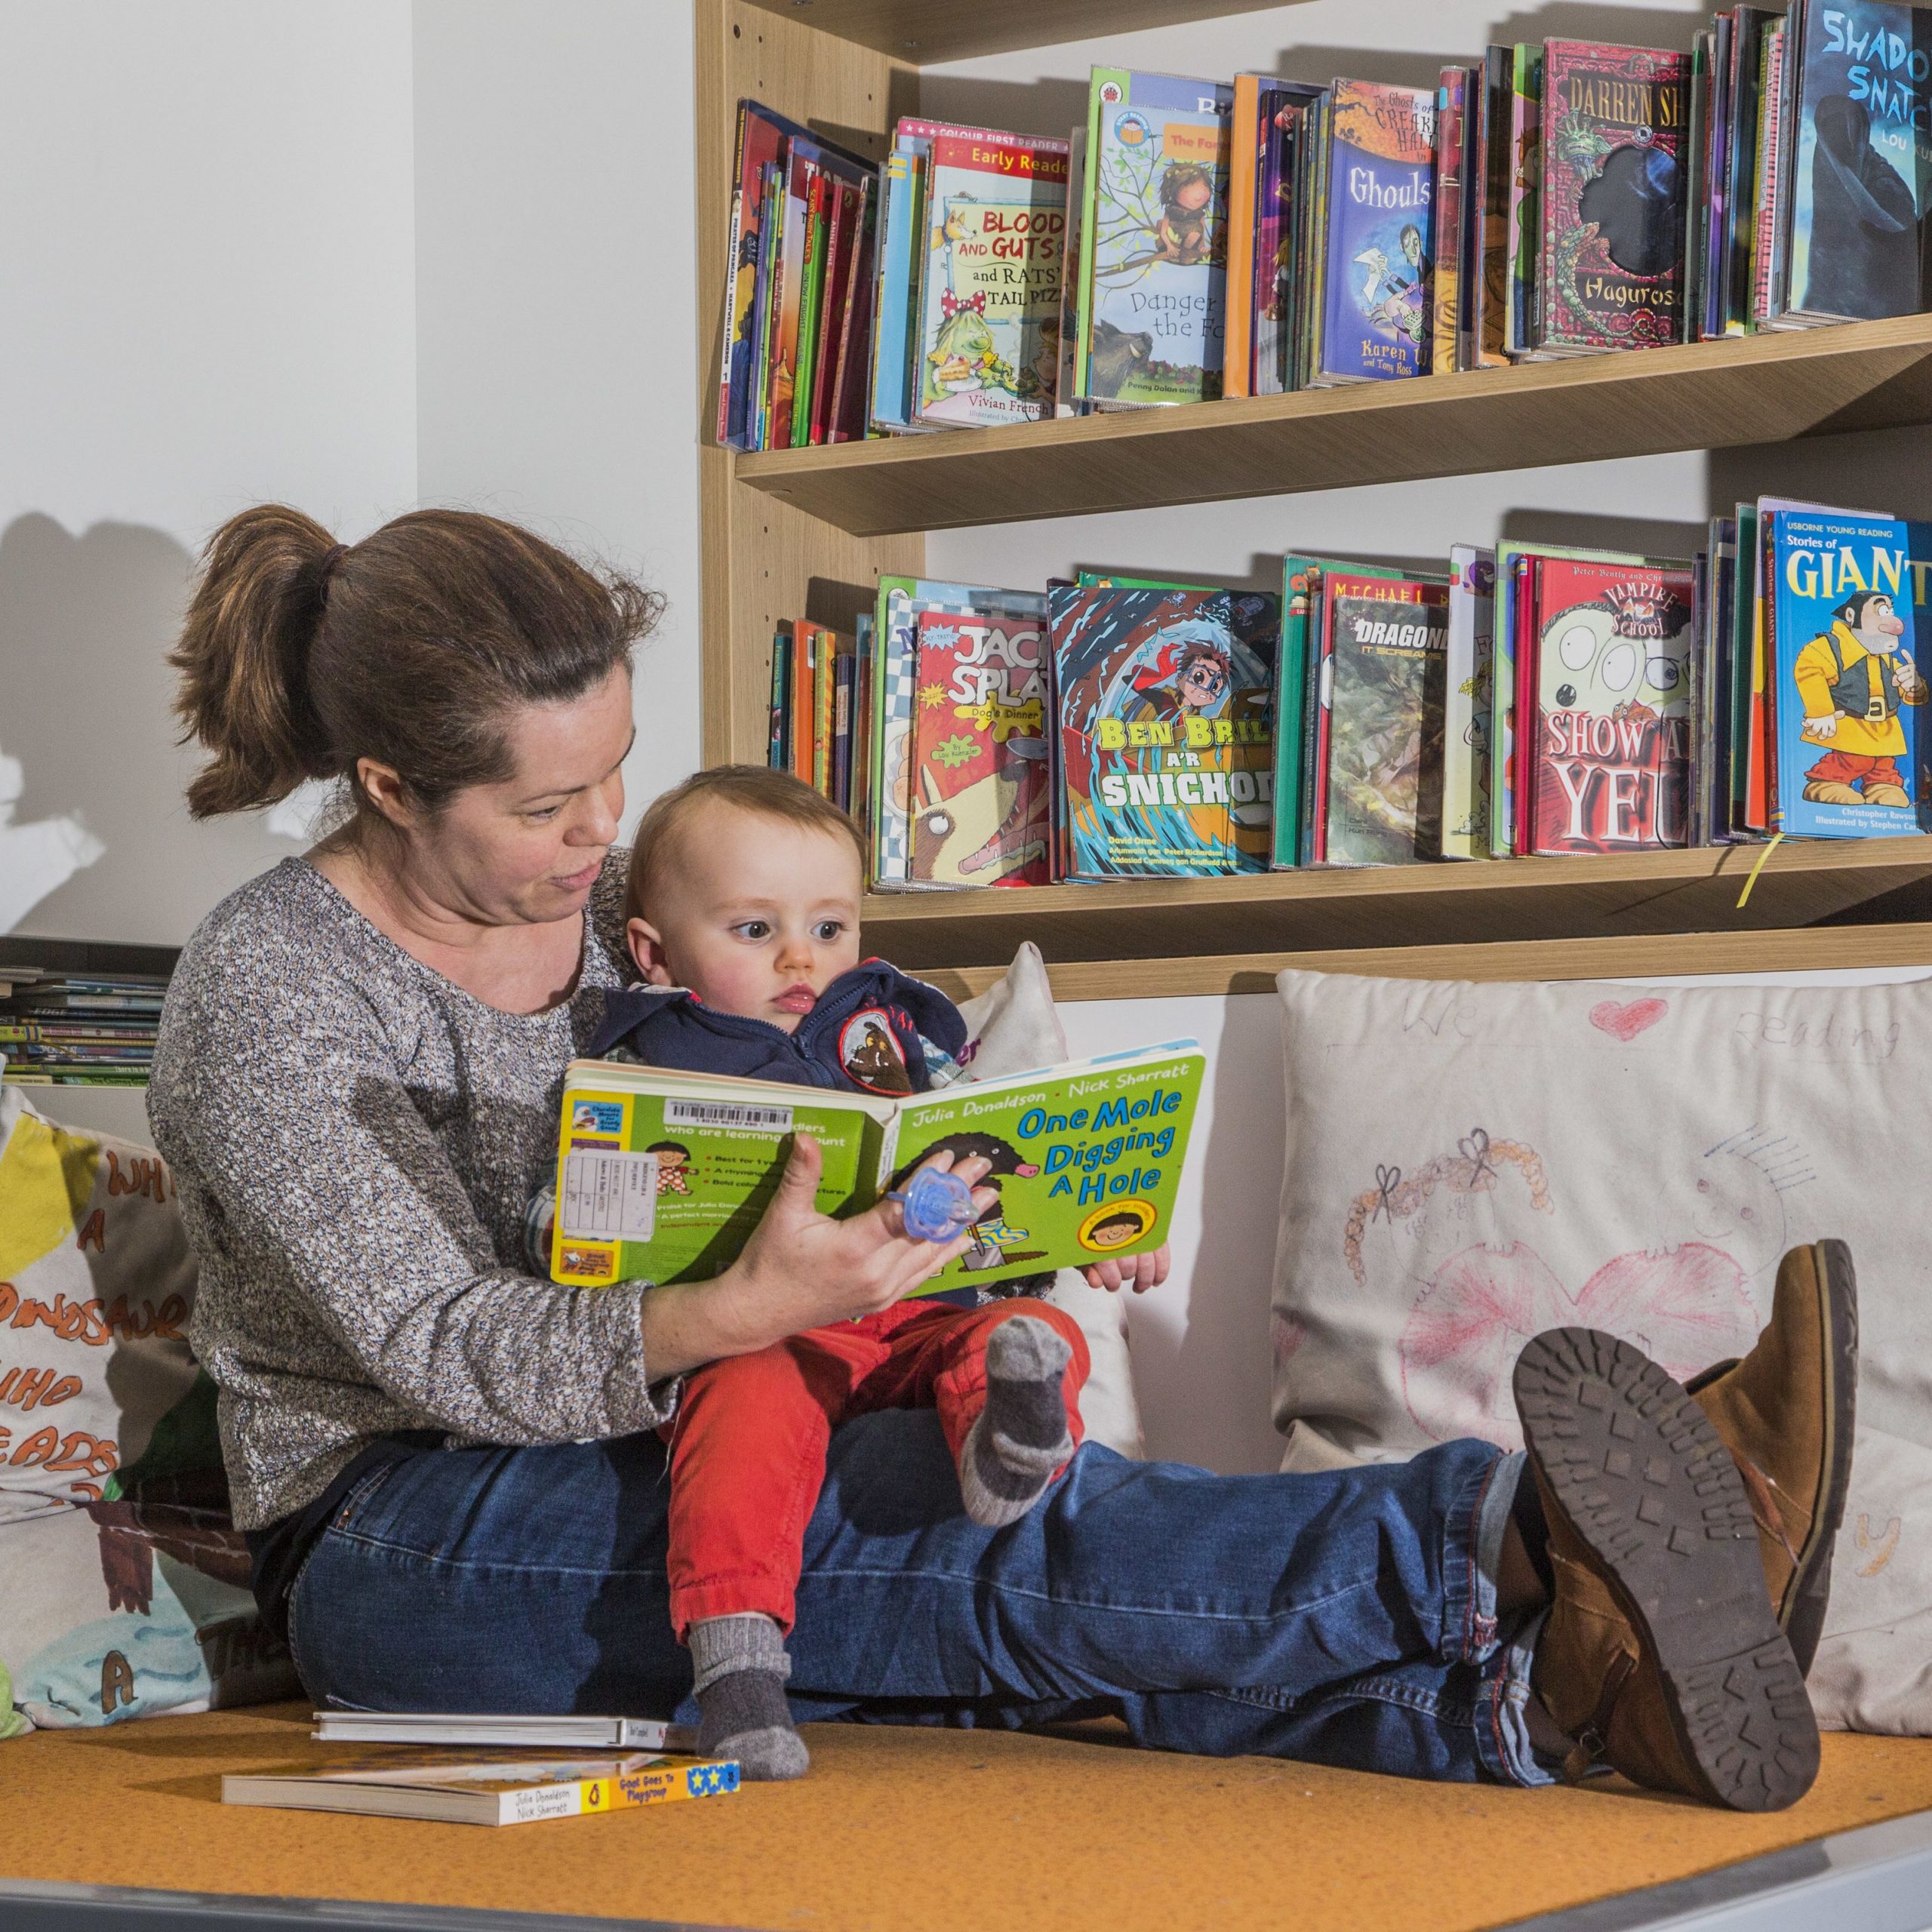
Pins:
x: 740, y: 1667
x: 1021, y: 1437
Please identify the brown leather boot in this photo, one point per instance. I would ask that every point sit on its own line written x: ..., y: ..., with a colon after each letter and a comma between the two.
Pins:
x: 1785, y: 1413
x: 1661, y: 1656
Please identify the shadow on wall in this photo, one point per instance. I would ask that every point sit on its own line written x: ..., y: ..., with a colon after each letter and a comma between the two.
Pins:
x: 86, y: 623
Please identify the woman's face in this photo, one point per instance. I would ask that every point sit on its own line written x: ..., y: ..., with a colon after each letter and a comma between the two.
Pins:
x: 527, y: 850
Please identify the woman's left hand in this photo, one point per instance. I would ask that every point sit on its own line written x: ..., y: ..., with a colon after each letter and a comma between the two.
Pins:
x: 1139, y: 1272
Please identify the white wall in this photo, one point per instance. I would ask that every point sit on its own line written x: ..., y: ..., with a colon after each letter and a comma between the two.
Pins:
x: 556, y: 263
x: 208, y: 299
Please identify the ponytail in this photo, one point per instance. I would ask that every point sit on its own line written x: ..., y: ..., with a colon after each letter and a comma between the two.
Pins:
x: 243, y: 659
x: 300, y: 656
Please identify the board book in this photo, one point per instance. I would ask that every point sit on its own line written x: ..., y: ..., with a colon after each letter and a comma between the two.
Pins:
x: 503, y: 1790
x: 663, y: 1175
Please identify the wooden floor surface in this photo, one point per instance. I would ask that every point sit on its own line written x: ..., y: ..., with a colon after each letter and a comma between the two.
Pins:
x: 921, y: 1831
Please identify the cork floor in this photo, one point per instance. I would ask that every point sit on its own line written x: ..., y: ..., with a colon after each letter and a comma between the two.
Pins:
x: 924, y: 1830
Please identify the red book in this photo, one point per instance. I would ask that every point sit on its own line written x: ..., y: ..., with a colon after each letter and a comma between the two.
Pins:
x: 841, y: 203
x: 1611, y: 745
x: 1523, y: 752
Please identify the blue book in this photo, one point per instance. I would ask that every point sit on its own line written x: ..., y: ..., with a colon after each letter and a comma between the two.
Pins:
x: 1380, y: 238
x: 892, y: 351
x: 1845, y: 591
x: 1862, y: 177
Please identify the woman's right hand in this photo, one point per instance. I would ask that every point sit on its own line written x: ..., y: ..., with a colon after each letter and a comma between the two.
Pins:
x: 800, y: 1269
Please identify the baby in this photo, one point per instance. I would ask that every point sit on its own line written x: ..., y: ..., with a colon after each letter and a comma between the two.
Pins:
x: 744, y: 919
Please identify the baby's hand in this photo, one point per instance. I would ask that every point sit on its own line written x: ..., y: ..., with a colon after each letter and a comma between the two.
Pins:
x: 1139, y: 1272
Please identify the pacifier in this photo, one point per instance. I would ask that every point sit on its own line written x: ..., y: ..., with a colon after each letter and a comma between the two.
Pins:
x: 937, y: 1204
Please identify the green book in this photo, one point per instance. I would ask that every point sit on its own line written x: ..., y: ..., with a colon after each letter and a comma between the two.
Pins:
x: 811, y: 310
x: 662, y: 1175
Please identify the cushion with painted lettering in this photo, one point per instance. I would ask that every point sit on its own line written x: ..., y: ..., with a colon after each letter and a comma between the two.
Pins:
x: 123, y: 1583
x: 1469, y: 1164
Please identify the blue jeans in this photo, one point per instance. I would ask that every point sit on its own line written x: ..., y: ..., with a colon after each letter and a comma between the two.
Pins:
x: 1345, y: 1619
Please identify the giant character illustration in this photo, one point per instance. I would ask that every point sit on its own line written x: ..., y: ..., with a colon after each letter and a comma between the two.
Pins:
x: 1854, y: 678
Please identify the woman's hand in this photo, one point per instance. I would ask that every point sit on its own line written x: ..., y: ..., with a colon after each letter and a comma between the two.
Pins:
x: 1139, y: 1272
x: 800, y: 1269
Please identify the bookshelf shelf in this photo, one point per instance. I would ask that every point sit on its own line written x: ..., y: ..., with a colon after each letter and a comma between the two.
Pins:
x: 1644, y: 894
x: 931, y: 30
x: 1765, y: 389
x: 807, y: 532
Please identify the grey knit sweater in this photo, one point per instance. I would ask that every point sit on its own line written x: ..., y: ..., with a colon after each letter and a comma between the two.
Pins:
x: 354, y: 1141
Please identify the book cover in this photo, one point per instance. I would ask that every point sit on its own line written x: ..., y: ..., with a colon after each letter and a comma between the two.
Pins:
x: 1065, y: 392
x: 1525, y: 192
x: 1861, y: 175
x: 1771, y: 185
x: 846, y: 419
x: 980, y: 749
x: 1612, y: 758
x: 761, y: 139
x: 662, y: 1176
x: 505, y: 1789
x: 1154, y: 244
x: 819, y: 200
x: 1491, y: 240
x: 841, y: 219
x: 1611, y: 259
x: 989, y: 316
x: 1470, y: 653
x: 765, y: 308
x: 1379, y: 233
x: 1854, y: 759
x: 1288, y: 109
x: 1165, y: 700
x: 1384, y: 777
x: 900, y: 232
x: 1748, y: 26
x: 1451, y: 117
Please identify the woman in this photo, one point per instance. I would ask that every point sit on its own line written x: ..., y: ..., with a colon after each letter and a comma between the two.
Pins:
x: 448, y: 1465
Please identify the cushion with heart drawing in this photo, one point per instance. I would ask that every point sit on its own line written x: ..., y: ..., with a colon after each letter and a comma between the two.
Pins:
x: 1469, y: 1165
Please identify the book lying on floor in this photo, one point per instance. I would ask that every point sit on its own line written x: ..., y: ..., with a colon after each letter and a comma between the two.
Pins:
x: 572, y: 1732
x: 500, y: 1791
x: 662, y: 1175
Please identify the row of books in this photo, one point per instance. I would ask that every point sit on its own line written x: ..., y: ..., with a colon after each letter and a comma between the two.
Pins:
x: 1193, y: 239
x: 1524, y: 699
x: 77, y: 1029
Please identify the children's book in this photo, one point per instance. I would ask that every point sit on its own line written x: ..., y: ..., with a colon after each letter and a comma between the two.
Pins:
x: 979, y: 749
x: 1525, y: 191
x: 900, y: 234
x: 1384, y: 762
x: 1861, y: 177
x: 505, y: 1790
x: 573, y: 1731
x: 662, y: 1176
x: 996, y: 232
x: 1165, y: 702
x: 1451, y: 120
x: 1154, y: 240
x: 1611, y: 259
x: 893, y: 684
x: 1611, y: 762
x: 1854, y: 758
x: 1288, y: 109
x: 846, y: 419
x: 1471, y: 661
x: 1489, y: 326
x: 1379, y: 234
x: 1244, y: 141
x: 1066, y: 401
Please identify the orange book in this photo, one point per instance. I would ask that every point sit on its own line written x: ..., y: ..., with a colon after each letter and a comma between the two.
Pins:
x: 1243, y: 141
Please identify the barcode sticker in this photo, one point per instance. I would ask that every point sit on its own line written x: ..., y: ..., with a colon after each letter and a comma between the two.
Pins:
x: 726, y: 1113
x: 608, y: 1197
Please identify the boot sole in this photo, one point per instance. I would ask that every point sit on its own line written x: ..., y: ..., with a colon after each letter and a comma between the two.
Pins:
x: 1646, y: 1482
x: 1809, y: 1592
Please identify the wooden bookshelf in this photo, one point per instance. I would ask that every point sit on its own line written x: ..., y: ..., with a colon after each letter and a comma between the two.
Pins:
x: 808, y: 532
x: 1462, y: 904
x: 1764, y: 389
x: 929, y: 30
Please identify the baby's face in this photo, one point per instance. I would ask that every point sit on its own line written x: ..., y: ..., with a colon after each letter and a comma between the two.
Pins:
x: 756, y: 915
